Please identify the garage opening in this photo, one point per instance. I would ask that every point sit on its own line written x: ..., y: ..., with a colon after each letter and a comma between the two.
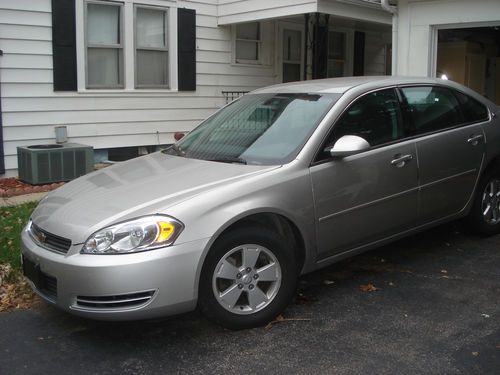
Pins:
x: 471, y: 56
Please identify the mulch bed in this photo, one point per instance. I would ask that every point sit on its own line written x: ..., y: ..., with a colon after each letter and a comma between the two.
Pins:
x: 10, y: 187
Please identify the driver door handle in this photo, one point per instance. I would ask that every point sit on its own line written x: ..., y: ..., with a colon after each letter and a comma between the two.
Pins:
x: 400, y: 161
x: 474, y: 139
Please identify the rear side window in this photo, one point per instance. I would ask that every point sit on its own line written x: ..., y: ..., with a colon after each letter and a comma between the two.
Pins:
x: 472, y: 110
x: 432, y: 108
x: 375, y: 117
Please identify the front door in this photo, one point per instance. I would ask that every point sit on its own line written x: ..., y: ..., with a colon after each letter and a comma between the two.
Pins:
x: 371, y: 195
x: 292, y: 52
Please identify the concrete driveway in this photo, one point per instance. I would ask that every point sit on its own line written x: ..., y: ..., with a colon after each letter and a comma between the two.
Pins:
x: 436, y: 310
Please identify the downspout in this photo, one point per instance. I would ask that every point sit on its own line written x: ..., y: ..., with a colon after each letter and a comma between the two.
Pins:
x: 394, y: 11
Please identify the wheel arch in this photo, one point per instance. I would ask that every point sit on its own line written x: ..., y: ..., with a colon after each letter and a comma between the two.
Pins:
x: 269, y: 218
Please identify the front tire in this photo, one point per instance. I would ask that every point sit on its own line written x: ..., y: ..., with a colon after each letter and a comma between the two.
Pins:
x: 248, y: 278
x: 485, y: 213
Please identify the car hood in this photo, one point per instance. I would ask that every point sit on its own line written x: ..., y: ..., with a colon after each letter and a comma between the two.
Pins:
x: 141, y: 186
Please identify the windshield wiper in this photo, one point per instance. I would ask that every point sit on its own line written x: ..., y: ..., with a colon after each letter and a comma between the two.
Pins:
x: 177, y: 150
x: 229, y: 159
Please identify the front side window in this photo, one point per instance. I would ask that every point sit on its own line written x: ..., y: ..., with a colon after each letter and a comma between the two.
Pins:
x: 151, y: 47
x: 104, y: 45
x: 248, y: 43
x: 432, y: 108
x: 375, y: 117
x: 266, y: 129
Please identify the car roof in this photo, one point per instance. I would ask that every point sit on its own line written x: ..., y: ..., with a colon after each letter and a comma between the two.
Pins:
x: 341, y: 85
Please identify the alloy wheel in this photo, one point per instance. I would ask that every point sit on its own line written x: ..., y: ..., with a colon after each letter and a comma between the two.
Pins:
x: 246, y: 279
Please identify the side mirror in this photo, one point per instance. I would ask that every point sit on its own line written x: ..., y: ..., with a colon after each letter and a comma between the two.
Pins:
x: 348, y: 145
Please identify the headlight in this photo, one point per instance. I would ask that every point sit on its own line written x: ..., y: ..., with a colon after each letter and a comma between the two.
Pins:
x: 145, y: 233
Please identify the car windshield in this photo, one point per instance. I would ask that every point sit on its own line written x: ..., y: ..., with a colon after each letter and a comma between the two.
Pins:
x: 265, y: 129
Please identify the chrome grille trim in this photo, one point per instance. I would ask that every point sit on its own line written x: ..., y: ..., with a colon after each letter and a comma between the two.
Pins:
x: 48, y: 240
x: 122, y: 301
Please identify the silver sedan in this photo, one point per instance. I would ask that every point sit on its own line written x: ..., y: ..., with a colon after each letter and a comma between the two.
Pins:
x: 281, y: 182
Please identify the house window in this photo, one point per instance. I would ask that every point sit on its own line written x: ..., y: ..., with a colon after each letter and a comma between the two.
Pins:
x: 248, y: 43
x: 151, y: 47
x: 337, y: 54
x: 104, y: 45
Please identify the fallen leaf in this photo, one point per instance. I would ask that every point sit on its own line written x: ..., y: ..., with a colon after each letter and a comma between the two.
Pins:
x: 485, y: 315
x: 368, y: 288
x: 475, y: 354
x: 281, y: 319
x: 391, y: 283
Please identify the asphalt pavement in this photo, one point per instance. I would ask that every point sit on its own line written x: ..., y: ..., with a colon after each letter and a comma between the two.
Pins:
x: 429, y: 304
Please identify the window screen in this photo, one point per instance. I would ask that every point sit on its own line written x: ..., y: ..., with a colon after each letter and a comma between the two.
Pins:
x: 248, y: 42
x: 151, y: 47
x: 104, y: 45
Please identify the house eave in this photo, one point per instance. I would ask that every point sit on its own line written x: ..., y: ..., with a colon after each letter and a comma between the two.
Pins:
x: 233, y: 13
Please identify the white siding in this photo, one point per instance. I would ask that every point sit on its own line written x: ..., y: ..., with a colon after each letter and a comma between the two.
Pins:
x: 235, y: 11
x: 107, y: 119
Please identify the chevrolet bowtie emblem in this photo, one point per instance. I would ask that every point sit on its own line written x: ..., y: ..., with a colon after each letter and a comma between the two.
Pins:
x: 41, y: 237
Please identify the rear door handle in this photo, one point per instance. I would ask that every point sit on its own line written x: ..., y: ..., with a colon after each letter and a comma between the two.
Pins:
x: 474, y: 139
x: 400, y: 161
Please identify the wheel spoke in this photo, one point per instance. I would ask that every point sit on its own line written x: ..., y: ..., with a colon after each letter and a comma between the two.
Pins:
x: 487, y: 210
x: 495, y: 214
x: 231, y: 295
x: 227, y: 271
x: 268, y: 273
x: 256, y: 297
x: 492, y: 188
x: 250, y: 256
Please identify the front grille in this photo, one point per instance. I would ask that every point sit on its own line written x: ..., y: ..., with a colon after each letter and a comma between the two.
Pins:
x: 122, y: 301
x: 49, y: 240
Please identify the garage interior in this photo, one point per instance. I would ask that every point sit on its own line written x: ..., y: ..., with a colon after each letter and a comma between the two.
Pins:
x: 471, y: 56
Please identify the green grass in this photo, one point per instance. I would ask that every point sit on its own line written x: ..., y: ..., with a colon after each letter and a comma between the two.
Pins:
x: 12, y: 221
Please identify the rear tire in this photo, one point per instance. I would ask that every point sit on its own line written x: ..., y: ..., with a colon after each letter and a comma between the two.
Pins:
x: 484, y: 217
x: 248, y: 278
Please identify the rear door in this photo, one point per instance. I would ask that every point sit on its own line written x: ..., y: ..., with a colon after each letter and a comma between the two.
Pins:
x: 450, y: 150
x: 368, y: 196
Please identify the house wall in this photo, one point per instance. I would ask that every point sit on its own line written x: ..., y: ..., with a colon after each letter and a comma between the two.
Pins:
x: 109, y: 118
x: 418, y: 22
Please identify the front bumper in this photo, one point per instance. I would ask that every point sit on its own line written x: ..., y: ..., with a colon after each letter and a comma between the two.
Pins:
x: 163, y: 280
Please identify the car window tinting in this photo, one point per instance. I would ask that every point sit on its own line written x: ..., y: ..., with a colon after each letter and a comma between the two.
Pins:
x: 375, y: 117
x: 472, y: 110
x: 432, y: 108
x: 257, y: 129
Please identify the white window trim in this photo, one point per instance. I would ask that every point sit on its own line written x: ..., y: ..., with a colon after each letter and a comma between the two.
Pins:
x: 242, y: 62
x: 128, y: 46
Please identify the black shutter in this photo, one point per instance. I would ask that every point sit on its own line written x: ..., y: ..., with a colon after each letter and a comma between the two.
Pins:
x: 64, y: 45
x: 320, y: 52
x: 359, y: 53
x: 186, y: 47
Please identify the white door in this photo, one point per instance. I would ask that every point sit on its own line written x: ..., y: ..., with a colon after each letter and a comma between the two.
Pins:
x: 292, y: 52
